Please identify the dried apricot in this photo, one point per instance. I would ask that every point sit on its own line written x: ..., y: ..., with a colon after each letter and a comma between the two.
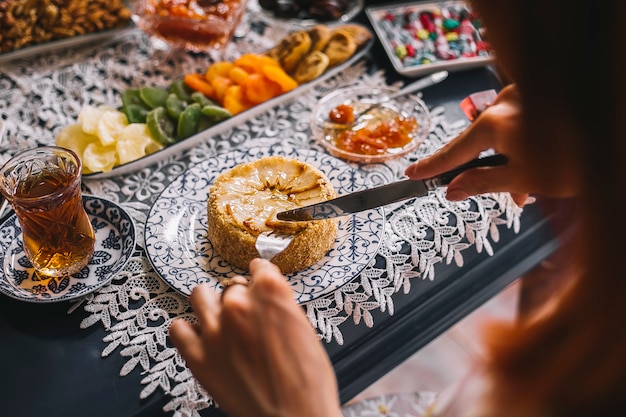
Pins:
x: 198, y: 82
x: 235, y: 101
x: 258, y: 88
x: 279, y: 76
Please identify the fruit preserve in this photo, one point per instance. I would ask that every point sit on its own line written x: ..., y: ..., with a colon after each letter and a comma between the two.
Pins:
x: 194, y: 25
x: 382, y: 131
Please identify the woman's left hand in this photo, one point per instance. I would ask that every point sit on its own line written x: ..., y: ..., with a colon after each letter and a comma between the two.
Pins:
x: 255, y: 351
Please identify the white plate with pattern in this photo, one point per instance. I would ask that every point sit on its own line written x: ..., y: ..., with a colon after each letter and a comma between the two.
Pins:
x: 115, y: 243
x: 180, y: 251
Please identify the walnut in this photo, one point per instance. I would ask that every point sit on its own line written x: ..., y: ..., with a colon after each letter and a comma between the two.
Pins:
x: 28, y: 22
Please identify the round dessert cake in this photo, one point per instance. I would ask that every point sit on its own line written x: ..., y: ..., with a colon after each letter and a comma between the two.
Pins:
x: 243, y: 203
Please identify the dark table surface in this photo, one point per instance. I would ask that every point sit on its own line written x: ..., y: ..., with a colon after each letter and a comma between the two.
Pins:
x: 50, y: 366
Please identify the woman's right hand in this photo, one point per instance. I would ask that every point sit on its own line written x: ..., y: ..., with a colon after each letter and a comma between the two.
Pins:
x: 499, y: 127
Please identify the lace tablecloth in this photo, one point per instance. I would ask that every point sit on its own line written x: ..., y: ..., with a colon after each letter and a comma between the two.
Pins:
x: 43, y: 94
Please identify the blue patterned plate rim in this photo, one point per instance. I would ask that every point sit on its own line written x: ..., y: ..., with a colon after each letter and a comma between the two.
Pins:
x: 115, y: 244
x: 178, y: 247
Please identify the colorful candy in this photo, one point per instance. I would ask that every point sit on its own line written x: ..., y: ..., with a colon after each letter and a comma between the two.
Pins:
x: 427, y: 33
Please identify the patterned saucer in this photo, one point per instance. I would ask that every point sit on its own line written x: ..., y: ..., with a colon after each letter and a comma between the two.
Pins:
x: 180, y: 251
x: 115, y: 243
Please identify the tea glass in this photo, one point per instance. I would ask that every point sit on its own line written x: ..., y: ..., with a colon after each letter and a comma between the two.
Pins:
x: 43, y: 187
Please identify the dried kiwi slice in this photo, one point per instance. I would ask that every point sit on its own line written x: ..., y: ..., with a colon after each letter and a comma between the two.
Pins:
x: 216, y: 113
x: 189, y: 121
x: 133, y: 107
x: 181, y: 90
x: 153, y: 96
x: 161, y: 126
x: 174, y: 105
x: 201, y: 99
x: 205, y: 123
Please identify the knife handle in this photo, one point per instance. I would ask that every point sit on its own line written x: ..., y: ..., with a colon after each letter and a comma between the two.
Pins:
x: 487, y: 161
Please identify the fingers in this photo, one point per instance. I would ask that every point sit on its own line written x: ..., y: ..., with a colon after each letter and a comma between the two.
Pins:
x: 261, y: 269
x: 206, y: 305
x: 235, y: 283
x: 463, y: 148
x: 491, y: 130
x: 521, y: 199
x: 181, y: 329
x: 488, y: 180
x: 187, y: 340
x: 267, y: 280
x: 233, y: 309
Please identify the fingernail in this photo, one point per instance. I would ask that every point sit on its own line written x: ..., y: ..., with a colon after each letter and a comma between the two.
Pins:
x: 530, y: 200
x: 456, y: 194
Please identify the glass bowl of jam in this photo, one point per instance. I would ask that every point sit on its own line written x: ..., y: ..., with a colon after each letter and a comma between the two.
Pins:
x: 191, y: 25
x: 390, y: 129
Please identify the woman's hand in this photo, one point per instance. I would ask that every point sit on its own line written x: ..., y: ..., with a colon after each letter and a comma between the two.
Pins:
x: 255, y: 351
x: 499, y: 127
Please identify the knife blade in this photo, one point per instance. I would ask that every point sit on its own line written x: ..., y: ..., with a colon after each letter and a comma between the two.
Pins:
x: 384, y: 194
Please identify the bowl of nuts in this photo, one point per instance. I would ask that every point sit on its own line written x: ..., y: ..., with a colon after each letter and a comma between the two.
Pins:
x: 191, y: 25
x: 311, y: 11
x: 31, y: 27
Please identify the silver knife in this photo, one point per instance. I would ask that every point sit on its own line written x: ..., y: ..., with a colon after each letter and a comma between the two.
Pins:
x: 383, y: 195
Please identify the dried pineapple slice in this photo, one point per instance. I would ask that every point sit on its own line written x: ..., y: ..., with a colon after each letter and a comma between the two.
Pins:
x: 75, y: 138
x: 135, y: 142
x: 98, y: 158
x: 110, y: 126
x: 89, y: 117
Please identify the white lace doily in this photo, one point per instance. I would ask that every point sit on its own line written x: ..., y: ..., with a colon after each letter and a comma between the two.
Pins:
x: 40, y: 96
x: 404, y: 404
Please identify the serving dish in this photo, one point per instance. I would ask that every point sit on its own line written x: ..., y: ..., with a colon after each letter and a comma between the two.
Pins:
x: 453, y: 39
x: 189, y: 25
x: 178, y: 247
x: 66, y: 43
x: 354, y: 8
x: 223, y: 126
x: 115, y: 243
x: 392, y: 111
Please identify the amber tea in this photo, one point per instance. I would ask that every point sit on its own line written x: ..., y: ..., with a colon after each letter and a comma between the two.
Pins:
x: 43, y: 186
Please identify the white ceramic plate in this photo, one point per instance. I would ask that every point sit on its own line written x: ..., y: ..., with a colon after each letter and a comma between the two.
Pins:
x: 221, y: 127
x: 390, y: 34
x: 180, y: 251
x: 115, y: 243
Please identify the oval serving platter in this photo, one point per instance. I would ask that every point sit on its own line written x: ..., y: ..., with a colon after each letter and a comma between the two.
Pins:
x: 178, y: 147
